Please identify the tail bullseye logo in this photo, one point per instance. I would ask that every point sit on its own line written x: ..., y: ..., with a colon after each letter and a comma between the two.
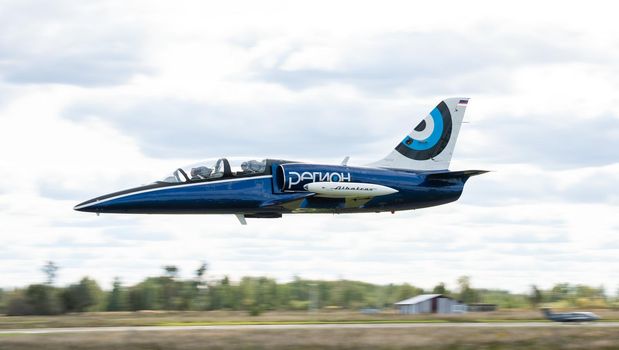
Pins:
x: 430, y: 136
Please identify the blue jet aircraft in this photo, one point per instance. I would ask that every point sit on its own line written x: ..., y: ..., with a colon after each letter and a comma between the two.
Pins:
x: 414, y: 175
x: 580, y: 316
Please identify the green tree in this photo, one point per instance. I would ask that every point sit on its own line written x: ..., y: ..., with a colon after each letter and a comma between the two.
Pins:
x: 171, y: 271
x: 83, y: 296
x: 267, y: 293
x: 117, y: 299
x: 170, y: 288
x: 2, y: 301
x: 17, y: 304
x: 187, y: 296
x: 298, y: 289
x: 440, y: 289
x: 199, y: 290
x: 467, y: 293
x: 231, y: 295
x: 503, y: 299
x: 390, y: 297
x: 146, y: 295
x: 407, y: 291
x: 560, y: 291
x: 201, y: 271
x: 535, y: 296
x: 43, y: 299
x: 352, y: 295
x: 50, y: 269
x: 583, y: 291
x: 283, y: 296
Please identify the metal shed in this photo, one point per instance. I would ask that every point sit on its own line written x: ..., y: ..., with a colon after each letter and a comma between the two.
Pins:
x: 430, y: 303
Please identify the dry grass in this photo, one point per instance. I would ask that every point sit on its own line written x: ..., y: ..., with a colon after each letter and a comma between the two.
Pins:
x: 568, y: 337
x: 232, y: 317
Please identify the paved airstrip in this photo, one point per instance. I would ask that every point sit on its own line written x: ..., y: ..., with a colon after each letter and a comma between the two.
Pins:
x: 304, y: 326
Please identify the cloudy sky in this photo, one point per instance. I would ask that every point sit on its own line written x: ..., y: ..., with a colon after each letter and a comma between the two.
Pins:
x: 101, y: 96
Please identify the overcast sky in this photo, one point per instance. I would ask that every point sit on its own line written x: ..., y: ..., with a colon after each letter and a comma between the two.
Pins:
x: 100, y: 96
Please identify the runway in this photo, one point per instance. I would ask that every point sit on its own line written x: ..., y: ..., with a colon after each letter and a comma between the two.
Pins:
x: 305, y: 326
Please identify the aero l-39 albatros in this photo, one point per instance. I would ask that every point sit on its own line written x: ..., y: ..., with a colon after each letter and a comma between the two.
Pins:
x: 414, y: 175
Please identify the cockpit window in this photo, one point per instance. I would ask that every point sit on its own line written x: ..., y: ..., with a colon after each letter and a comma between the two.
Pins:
x: 215, y: 169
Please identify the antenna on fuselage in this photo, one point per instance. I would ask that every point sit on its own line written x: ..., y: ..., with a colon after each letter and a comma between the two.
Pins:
x: 345, y: 161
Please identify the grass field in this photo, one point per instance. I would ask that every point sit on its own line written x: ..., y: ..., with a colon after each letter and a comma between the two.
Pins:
x: 568, y: 337
x: 237, y: 317
x: 560, y: 337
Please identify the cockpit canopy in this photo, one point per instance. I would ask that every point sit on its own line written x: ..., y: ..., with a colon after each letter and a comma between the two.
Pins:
x: 216, y: 169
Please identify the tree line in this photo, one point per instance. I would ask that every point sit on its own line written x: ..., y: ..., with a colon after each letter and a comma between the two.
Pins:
x: 258, y: 294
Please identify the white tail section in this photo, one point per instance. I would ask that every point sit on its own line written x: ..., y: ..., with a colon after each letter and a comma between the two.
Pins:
x: 431, y: 143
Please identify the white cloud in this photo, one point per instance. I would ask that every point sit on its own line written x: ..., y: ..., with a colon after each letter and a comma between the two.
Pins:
x: 103, y: 96
x: 86, y: 45
x: 420, y: 62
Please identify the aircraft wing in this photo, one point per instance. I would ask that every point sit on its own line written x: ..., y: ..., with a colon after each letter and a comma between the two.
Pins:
x: 282, y: 202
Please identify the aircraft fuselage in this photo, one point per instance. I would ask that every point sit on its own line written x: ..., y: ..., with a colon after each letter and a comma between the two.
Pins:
x: 281, y: 188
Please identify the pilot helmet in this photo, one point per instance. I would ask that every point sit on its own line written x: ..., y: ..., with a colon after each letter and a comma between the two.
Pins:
x: 201, y: 171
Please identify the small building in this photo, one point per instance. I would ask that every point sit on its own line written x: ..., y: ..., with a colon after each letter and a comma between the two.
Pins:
x: 430, y: 303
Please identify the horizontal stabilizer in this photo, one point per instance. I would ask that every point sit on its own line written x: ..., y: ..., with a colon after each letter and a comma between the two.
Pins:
x: 454, y: 174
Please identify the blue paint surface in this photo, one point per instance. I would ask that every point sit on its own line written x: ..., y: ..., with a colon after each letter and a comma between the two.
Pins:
x: 260, y: 194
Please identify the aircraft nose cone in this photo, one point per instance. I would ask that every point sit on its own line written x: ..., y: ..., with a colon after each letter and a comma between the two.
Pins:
x: 87, y: 206
x: 131, y: 200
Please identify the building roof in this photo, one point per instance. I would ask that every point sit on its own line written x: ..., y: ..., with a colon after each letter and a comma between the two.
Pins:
x: 420, y: 298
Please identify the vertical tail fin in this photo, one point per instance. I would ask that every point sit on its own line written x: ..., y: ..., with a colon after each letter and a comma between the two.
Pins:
x: 431, y: 143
